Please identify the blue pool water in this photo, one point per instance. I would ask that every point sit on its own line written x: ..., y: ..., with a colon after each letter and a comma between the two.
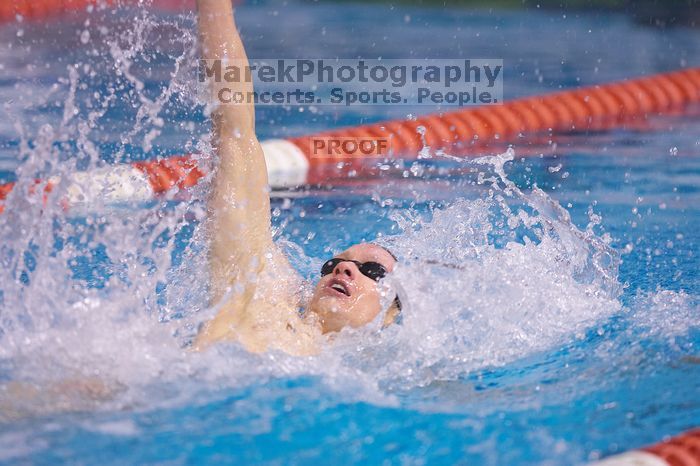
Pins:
x: 535, y: 339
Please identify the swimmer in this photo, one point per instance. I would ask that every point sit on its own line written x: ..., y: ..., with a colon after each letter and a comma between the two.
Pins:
x: 255, y: 289
x: 253, y: 286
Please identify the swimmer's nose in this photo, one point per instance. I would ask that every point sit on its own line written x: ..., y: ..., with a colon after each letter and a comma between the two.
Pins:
x: 346, y: 268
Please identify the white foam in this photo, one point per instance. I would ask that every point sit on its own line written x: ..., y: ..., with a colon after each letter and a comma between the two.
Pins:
x: 486, y: 282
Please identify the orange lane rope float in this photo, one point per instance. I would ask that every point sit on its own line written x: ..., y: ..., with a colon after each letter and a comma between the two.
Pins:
x: 682, y: 450
x: 467, y: 131
x: 43, y: 10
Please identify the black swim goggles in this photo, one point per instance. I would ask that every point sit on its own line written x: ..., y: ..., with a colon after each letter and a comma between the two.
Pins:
x: 373, y: 270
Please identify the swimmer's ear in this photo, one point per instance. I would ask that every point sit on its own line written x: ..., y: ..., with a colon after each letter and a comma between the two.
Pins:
x: 393, y: 314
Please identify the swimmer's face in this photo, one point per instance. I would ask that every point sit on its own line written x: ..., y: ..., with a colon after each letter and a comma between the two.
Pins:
x: 346, y: 296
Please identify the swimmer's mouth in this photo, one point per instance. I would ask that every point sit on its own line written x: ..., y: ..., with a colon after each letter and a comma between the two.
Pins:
x: 340, y: 287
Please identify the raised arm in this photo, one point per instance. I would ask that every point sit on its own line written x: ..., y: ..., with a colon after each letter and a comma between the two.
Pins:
x: 219, y: 40
x: 239, y: 205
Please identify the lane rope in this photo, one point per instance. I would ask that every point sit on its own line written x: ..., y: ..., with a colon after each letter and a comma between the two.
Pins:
x: 467, y: 131
x: 43, y: 10
x: 39, y: 10
x: 682, y: 450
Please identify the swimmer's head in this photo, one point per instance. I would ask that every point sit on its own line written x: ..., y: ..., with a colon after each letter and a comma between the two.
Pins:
x: 347, y: 294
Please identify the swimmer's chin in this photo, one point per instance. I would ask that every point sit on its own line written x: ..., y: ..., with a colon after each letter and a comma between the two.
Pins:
x: 330, y: 313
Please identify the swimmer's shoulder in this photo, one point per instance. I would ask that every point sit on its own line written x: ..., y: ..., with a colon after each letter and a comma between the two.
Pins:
x: 271, y: 318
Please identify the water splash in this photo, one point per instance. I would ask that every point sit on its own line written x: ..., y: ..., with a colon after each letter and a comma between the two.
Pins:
x: 489, y: 281
x: 485, y: 281
x: 78, y: 290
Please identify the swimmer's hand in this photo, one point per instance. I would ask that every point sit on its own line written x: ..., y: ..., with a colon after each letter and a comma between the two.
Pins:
x: 20, y: 399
